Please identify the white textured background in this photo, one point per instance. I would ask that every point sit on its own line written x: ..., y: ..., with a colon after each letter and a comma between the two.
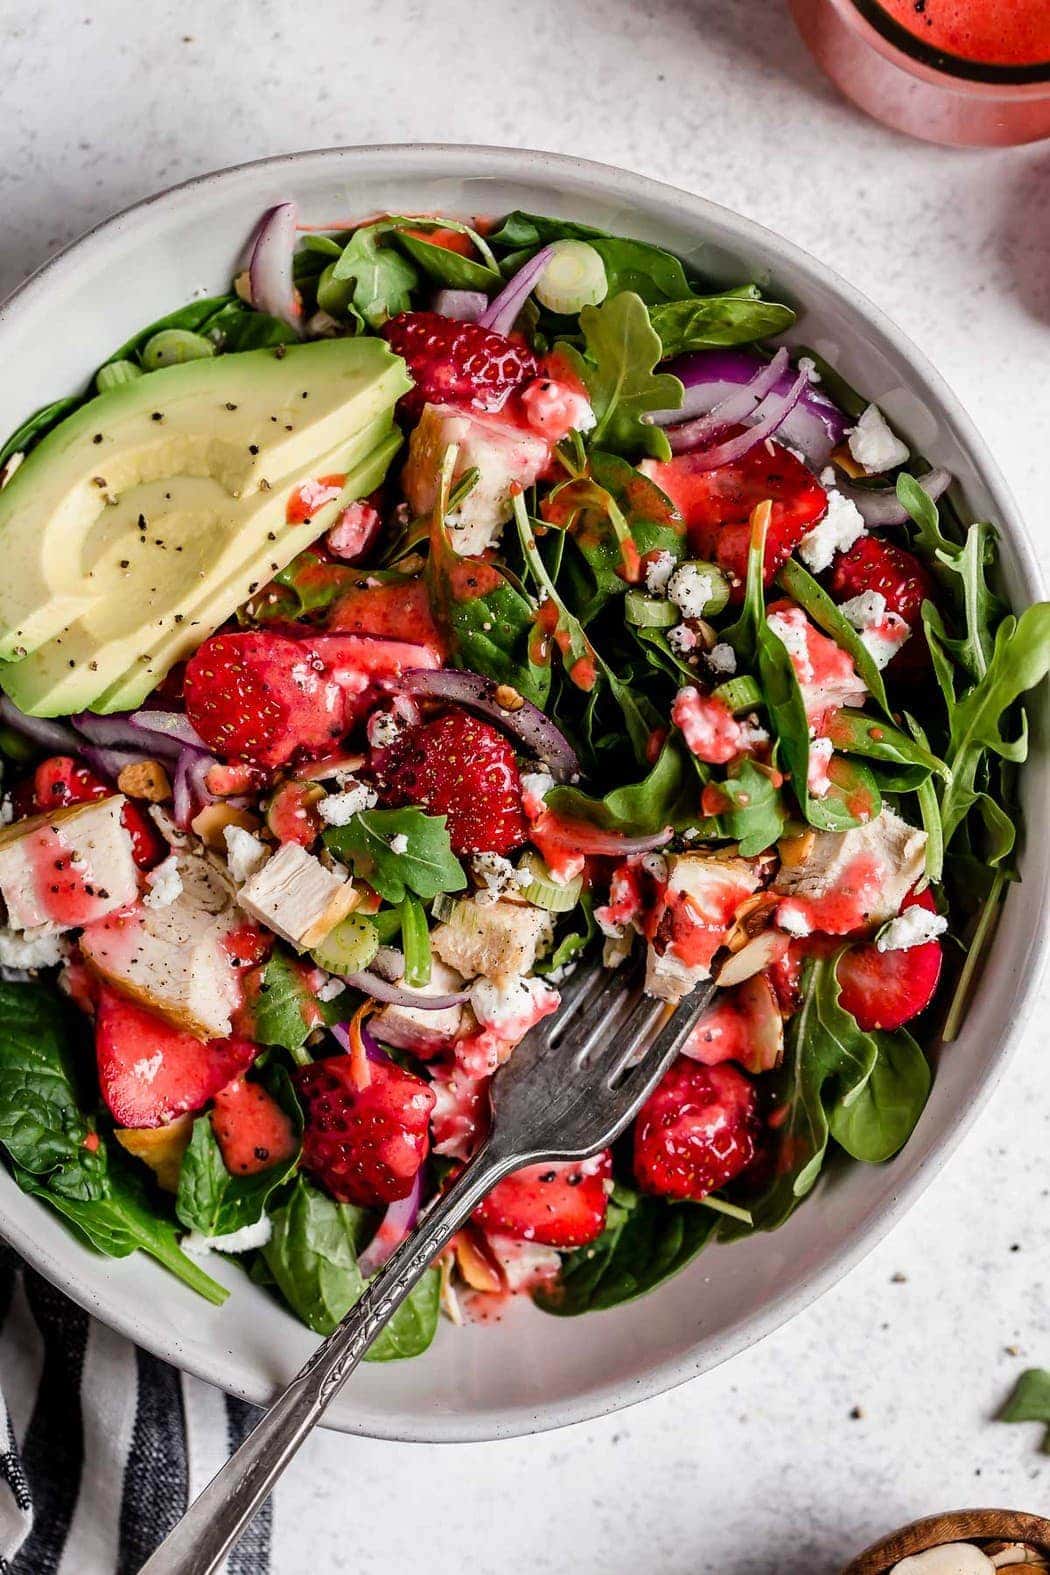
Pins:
x: 763, y: 1466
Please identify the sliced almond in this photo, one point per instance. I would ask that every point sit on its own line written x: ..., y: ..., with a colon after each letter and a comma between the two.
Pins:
x: 753, y: 957
x: 474, y: 1265
x: 145, y: 779
x: 213, y: 819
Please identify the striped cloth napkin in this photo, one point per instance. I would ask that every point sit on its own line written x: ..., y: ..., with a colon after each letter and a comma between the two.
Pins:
x: 101, y: 1445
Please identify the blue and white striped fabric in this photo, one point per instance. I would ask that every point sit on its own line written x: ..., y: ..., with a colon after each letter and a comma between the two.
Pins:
x: 101, y: 1445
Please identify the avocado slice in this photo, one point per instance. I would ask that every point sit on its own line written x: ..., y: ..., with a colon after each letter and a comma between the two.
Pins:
x: 189, y: 441
x: 209, y: 550
x: 141, y: 678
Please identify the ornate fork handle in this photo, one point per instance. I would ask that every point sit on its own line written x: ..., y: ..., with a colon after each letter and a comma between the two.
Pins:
x: 216, y: 1519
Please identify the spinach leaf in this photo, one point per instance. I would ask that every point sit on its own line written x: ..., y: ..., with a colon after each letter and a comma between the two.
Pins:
x: 195, y: 317
x: 236, y: 326
x: 875, y: 1120
x: 709, y: 320
x: 654, y: 274
x: 617, y: 371
x: 427, y: 867
x: 1020, y: 659
x: 644, y: 1242
x: 755, y: 814
x: 448, y: 268
x: 37, y: 426
x: 855, y: 733
x: 815, y: 601
x: 312, y: 1256
x: 284, y: 1008
x: 382, y: 277
x: 668, y: 796
x: 212, y: 1200
x: 1030, y: 1402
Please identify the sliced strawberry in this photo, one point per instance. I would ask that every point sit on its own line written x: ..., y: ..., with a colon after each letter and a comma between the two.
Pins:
x: 555, y: 1205
x: 395, y: 609
x: 872, y: 564
x: 456, y: 363
x: 61, y: 780
x: 697, y: 1131
x: 716, y: 505
x: 364, y: 1145
x: 251, y: 1129
x: 888, y: 989
x: 149, y: 1072
x: 743, y: 1025
x: 464, y: 768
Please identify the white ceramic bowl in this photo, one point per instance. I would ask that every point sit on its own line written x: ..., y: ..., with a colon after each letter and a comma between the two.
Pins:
x: 529, y: 1371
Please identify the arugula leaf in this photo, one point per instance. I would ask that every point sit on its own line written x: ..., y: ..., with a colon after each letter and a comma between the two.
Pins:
x: 383, y: 278
x: 617, y: 371
x: 962, y: 569
x: 654, y: 274
x: 1029, y: 1401
x: 708, y: 320
x: 815, y: 601
x: 576, y: 651
x: 873, y: 1122
x: 427, y: 867
x: 855, y: 733
x: 312, y: 1256
x: 1020, y: 659
x: 644, y: 1242
x: 212, y: 1200
x: 284, y: 1008
x: 668, y: 796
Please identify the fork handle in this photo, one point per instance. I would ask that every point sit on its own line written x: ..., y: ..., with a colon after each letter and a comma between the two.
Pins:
x: 214, y: 1521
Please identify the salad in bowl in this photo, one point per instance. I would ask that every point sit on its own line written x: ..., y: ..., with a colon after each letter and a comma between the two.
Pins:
x: 445, y: 605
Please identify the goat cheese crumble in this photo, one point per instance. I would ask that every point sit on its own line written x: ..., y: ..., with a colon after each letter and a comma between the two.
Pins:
x: 165, y: 884
x: 691, y: 589
x: 338, y: 809
x: 841, y: 526
x: 914, y: 927
x: 245, y: 854
x: 658, y: 572
x: 243, y: 1240
x: 874, y: 444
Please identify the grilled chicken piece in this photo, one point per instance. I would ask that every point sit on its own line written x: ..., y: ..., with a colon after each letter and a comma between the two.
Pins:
x: 294, y: 895
x: 67, y: 868
x: 493, y: 939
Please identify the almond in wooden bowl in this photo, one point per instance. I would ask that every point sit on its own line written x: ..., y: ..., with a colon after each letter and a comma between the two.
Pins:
x: 963, y: 1542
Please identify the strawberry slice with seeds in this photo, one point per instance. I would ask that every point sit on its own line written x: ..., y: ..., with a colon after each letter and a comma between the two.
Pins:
x: 888, y: 989
x: 716, y: 505
x: 150, y: 1072
x: 363, y: 1143
x: 554, y: 1205
x: 872, y: 564
x: 454, y: 363
x: 464, y: 768
x: 251, y: 1129
x: 62, y: 780
x: 696, y: 1131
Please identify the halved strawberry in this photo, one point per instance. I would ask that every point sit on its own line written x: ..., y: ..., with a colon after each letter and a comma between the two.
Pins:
x: 743, y: 1025
x: 251, y: 1129
x: 698, y: 1130
x: 464, y: 768
x: 395, y: 609
x: 716, y: 505
x: 872, y: 564
x: 555, y: 1205
x: 364, y: 1145
x: 456, y: 363
x: 888, y: 989
x: 61, y: 780
x: 149, y: 1072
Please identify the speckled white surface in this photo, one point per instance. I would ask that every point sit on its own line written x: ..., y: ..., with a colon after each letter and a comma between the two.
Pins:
x: 874, y: 1406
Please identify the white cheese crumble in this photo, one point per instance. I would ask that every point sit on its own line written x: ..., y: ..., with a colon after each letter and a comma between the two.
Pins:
x: 535, y: 785
x: 330, y: 989
x: 497, y: 876
x: 41, y: 947
x: 165, y: 884
x: 874, y: 445
x: 721, y: 658
x: 817, y: 779
x: 383, y: 728
x: 245, y: 854
x: 841, y: 526
x: 691, y: 588
x: 791, y: 918
x: 399, y: 843
x: 243, y: 1240
x: 682, y: 639
x: 7, y: 811
x: 863, y: 610
x: 510, y: 1004
x: 658, y: 572
x: 338, y: 809
x: 914, y: 927
x: 882, y: 632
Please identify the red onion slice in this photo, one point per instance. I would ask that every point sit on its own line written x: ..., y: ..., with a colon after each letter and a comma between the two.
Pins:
x: 395, y: 1225
x: 110, y: 762
x: 40, y: 729
x: 171, y: 725
x: 396, y: 995
x: 501, y: 314
x: 730, y: 410
x: 190, y: 788
x: 580, y: 836
x: 465, y: 305
x: 521, y: 718
x: 124, y: 732
x: 769, y: 417
x: 270, y: 265
x: 881, y: 506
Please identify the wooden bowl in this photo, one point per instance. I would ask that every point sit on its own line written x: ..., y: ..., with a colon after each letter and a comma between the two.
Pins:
x: 961, y: 1525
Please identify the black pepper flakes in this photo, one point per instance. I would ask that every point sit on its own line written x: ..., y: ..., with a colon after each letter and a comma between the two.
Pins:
x: 157, y: 416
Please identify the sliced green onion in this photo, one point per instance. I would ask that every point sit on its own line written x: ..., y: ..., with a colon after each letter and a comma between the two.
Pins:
x: 173, y: 345
x: 348, y: 948
x: 415, y: 942
x: 739, y: 694
x: 649, y: 612
x: 720, y: 1206
x: 443, y: 906
x: 115, y: 373
x: 574, y: 277
x: 543, y: 891
x: 718, y: 597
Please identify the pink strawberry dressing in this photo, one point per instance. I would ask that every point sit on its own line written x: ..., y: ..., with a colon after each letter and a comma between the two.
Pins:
x: 841, y: 910
x: 63, y: 891
x: 708, y: 727
x: 825, y: 672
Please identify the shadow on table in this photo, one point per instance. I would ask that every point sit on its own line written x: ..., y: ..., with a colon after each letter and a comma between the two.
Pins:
x: 762, y: 37
x: 1024, y: 243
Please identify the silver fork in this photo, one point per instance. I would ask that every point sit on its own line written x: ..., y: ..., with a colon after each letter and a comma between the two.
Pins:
x: 570, y: 1088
